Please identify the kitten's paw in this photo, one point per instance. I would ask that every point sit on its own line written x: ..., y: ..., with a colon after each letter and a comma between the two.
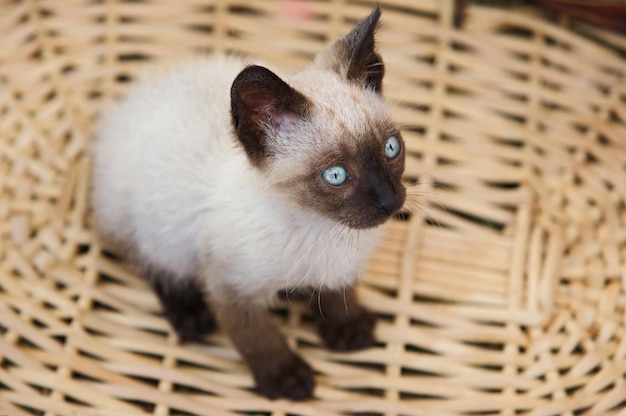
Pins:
x: 356, y: 334
x: 291, y: 378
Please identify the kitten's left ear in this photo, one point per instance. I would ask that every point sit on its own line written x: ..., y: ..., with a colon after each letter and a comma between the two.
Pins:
x: 353, y: 55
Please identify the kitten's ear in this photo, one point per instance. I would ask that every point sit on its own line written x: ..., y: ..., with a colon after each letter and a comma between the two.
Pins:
x: 353, y: 55
x: 261, y: 104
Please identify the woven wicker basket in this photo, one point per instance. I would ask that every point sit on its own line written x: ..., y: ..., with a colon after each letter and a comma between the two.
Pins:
x: 504, y: 295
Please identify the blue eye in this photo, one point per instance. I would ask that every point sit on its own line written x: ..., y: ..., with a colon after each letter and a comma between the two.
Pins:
x: 335, y: 175
x: 393, y: 147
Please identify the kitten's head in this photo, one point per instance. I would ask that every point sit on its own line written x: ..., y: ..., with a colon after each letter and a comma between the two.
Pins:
x: 325, y: 137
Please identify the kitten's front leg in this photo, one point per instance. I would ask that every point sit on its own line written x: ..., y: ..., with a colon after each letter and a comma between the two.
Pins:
x: 184, y: 303
x: 278, y: 372
x: 343, y: 323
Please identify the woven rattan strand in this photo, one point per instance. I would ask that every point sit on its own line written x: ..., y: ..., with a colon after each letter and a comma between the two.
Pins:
x: 503, y: 292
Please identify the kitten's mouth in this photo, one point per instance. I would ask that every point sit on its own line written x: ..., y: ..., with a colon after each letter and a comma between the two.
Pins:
x: 377, y: 215
x: 369, y: 223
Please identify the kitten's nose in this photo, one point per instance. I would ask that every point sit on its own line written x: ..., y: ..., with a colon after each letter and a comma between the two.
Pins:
x: 387, y: 199
x: 388, y: 206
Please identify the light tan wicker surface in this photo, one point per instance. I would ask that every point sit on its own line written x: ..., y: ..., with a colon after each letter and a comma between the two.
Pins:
x: 507, y: 298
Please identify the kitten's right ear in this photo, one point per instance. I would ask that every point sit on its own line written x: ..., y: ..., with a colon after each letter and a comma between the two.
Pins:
x: 262, y: 104
x: 354, y: 57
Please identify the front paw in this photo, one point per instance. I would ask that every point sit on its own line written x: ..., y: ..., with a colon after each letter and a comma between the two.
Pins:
x: 291, y: 378
x: 354, y: 334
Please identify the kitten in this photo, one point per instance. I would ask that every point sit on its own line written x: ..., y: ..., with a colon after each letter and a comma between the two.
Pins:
x: 228, y: 184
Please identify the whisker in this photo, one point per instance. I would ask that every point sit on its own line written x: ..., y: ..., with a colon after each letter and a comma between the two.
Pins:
x: 288, y: 274
x: 319, y: 298
x: 321, y: 254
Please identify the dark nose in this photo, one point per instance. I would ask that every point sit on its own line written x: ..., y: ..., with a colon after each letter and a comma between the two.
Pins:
x: 385, y: 196
x: 388, y: 203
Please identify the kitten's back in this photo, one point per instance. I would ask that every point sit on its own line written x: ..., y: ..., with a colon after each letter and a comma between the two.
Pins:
x: 155, y: 149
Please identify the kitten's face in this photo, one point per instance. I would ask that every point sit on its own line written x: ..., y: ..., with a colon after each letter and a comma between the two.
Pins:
x: 326, y: 139
x: 346, y: 159
x: 366, y: 192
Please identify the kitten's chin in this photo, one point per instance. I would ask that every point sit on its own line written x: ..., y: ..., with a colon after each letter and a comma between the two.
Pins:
x: 367, y: 223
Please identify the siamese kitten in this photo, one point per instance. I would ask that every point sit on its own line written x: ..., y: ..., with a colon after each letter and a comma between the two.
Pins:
x: 229, y: 184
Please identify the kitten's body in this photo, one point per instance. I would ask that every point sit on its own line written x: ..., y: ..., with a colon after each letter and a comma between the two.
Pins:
x: 186, y: 194
x: 224, y: 206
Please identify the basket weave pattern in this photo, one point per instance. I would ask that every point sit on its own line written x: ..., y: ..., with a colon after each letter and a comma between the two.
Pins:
x: 503, y: 293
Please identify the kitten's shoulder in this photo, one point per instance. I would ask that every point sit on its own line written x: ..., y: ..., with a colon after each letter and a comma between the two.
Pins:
x: 165, y: 93
x: 191, y: 77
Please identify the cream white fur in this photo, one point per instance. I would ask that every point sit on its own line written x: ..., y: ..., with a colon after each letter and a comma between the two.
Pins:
x: 171, y: 184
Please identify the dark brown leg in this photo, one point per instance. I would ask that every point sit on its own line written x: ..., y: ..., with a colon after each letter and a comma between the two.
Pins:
x: 184, y: 304
x: 278, y: 372
x: 343, y: 323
